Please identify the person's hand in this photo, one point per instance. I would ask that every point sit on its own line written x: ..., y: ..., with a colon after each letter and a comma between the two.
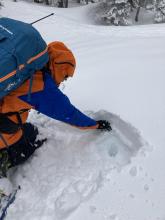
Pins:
x: 104, y: 125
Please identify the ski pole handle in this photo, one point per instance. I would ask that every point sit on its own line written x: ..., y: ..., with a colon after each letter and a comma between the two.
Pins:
x: 41, y: 18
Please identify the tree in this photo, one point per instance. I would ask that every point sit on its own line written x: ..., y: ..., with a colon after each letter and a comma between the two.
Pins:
x: 160, y: 11
x: 63, y: 3
x: 47, y: 2
x: 117, y: 12
x: 121, y: 12
x: 139, y: 4
x: 53, y: 2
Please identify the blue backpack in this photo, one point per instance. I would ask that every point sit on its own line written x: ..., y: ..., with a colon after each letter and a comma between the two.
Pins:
x: 22, y: 52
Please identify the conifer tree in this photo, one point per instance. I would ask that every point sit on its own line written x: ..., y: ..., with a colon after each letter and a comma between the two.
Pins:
x: 160, y: 11
x: 117, y: 12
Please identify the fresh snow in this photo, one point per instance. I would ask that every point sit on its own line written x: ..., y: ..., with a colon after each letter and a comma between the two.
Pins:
x: 96, y: 175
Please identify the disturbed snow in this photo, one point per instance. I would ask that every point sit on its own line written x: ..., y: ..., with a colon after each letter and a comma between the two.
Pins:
x: 71, y: 166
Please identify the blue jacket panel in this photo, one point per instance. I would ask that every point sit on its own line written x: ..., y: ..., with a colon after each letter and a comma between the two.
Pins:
x: 53, y: 103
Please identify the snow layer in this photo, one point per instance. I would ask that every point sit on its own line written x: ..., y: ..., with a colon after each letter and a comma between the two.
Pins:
x: 71, y: 167
x: 95, y: 175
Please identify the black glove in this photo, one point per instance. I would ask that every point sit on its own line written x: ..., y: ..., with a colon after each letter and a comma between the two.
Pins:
x: 104, y: 125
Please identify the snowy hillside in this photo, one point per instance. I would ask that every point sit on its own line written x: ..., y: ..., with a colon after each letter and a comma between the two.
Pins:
x: 90, y: 175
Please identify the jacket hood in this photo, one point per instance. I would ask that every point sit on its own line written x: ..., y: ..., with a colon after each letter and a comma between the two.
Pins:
x: 62, y: 62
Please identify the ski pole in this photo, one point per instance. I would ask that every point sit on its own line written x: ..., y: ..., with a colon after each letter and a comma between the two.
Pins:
x: 42, y: 18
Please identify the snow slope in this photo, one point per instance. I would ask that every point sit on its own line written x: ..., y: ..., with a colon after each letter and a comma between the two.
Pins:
x: 92, y: 175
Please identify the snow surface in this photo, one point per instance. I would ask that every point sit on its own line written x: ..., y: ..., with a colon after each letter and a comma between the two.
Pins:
x: 96, y: 175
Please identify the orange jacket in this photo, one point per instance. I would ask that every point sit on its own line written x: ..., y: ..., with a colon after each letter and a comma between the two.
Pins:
x: 11, y: 103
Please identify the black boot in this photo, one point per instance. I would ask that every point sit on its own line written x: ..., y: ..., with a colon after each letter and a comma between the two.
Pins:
x: 25, y: 147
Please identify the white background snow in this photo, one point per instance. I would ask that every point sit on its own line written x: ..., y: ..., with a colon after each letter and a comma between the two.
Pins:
x: 94, y: 175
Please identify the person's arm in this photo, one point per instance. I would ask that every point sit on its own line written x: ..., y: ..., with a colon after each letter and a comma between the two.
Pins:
x: 53, y: 103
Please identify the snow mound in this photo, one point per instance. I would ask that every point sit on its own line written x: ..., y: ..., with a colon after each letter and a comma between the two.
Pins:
x: 71, y: 167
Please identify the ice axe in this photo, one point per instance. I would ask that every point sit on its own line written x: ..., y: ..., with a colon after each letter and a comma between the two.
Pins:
x: 42, y: 18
